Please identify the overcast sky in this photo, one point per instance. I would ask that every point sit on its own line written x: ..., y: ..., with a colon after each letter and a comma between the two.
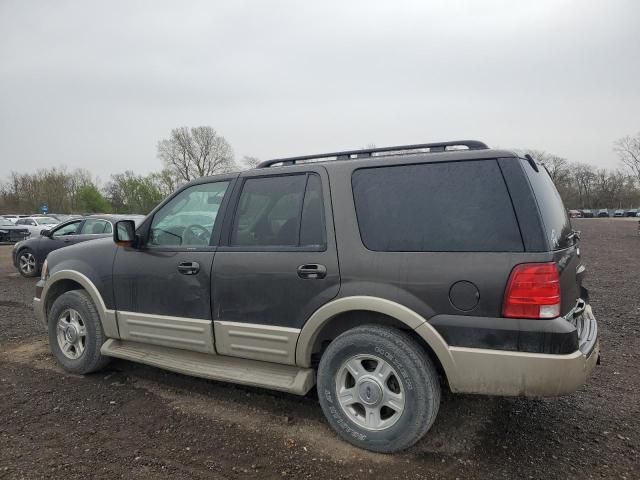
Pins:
x: 97, y: 84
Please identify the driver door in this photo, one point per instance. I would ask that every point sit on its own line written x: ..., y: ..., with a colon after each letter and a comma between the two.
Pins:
x: 162, y: 288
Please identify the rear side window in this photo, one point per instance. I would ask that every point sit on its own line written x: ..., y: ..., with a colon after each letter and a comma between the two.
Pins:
x: 280, y: 211
x: 436, y: 207
x: 556, y: 222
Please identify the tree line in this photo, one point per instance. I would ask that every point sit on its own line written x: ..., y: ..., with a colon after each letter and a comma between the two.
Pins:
x: 190, y: 153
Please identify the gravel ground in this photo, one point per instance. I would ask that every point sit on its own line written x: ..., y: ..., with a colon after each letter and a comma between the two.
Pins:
x: 132, y: 421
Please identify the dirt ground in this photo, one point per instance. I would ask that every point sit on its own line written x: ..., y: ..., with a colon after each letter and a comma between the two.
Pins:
x: 133, y: 421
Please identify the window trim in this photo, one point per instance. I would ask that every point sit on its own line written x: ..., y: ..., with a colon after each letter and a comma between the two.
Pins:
x: 145, y: 228
x: 413, y: 164
x: 225, y: 243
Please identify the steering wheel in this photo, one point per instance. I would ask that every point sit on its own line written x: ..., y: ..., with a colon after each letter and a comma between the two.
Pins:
x: 195, y: 235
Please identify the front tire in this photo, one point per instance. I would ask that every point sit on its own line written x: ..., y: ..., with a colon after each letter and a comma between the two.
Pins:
x: 28, y: 265
x: 378, y: 388
x: 75, y: 333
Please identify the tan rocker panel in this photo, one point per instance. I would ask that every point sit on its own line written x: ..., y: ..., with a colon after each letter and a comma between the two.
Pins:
x: 175, y: 332
x: 259, y: 342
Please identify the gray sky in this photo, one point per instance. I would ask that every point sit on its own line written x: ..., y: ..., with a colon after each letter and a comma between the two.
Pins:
x: 97, y: 84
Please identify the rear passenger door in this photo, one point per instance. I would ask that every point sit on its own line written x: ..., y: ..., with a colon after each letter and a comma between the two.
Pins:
x: 276, y: 264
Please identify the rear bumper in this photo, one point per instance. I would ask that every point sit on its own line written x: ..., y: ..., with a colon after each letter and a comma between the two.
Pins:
x: 496, y: 372
x: 525, y: 366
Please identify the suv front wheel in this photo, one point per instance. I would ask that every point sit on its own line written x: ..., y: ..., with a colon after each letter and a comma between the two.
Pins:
x: 75, y: 333
x: 378, y: 388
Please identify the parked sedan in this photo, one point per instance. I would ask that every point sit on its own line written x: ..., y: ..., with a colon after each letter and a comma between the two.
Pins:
x: 633, y: 212
x: 13, y: 218
x: 618, y: 213
x: 29, y: 255
x: 10, y: 232
x: 37, y: 224
x: 586, y: 213
x: 575, y: 214
x: 603, y: 212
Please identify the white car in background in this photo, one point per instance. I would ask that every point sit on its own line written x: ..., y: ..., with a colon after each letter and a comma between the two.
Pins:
x: 35, y: 225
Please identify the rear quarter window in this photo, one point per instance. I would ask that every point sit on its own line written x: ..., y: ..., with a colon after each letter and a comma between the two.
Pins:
x: 436, y: 207
x: 555, y: 219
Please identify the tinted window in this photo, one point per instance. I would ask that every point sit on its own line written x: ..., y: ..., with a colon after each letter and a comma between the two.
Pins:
x: 312, y: 231
x: 272, y: 210
x: 554, y: 216
x: 68, y: 229
x: 187, y: 220
x: 93, y: 226
x: 455, y: 206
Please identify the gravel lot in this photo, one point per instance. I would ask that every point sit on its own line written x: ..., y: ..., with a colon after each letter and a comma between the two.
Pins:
x: 132, y: 421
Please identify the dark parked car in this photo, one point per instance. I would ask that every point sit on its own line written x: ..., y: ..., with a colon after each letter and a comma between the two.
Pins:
x: 633, y: 212
x: 376, y: 275
x: 603, y: 212
x: 586, y: 213
x: 10, y: 232
x: 28, y: 255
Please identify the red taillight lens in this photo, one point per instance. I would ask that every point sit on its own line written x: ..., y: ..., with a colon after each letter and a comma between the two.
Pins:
x: 533, y: 291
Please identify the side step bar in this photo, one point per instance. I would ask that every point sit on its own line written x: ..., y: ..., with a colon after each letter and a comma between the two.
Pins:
x: 285, y: 378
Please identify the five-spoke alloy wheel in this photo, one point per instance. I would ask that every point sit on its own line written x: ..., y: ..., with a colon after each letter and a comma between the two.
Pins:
x: 27, y: 263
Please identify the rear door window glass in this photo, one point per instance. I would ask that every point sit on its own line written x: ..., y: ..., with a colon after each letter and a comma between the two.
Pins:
x: 276, y: 211
x: 436, y: 207
x: 93, y: 226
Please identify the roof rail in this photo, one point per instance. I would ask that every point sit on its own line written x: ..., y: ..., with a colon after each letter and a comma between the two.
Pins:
x: 369, y: 152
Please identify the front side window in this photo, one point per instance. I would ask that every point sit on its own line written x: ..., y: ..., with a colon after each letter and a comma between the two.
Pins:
x: 187, y: 220
x: 68, y: 229
x: 285, y: 211
x: 47, y: 221
x: 439, y: 207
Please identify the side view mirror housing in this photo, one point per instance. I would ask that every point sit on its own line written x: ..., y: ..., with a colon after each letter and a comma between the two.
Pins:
x: 124, y: 233
x: 45, y: 232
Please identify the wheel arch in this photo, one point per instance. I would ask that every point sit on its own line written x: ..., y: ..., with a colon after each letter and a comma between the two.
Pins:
x: 66, y: 280
x: 340, y: 315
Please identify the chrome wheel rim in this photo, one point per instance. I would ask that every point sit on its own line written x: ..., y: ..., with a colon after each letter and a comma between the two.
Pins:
x: 71, y: 333
x: 27, y: 262
x: 370, y: 392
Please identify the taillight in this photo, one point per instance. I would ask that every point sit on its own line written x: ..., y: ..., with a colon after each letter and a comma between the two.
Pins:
x: 533, y: 291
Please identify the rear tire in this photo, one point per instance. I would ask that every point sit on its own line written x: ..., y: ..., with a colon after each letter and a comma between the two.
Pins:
x: 28, y: 265
x: 75, y: 333
x: 378, y: 388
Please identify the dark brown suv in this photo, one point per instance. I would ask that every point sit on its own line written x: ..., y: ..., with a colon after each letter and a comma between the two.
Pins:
x: 378, y: 276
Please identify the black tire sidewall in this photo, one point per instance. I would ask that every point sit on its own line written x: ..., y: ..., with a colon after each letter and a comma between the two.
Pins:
x: 36, y: 270
x: 80, y: 302
x: 417, y: 383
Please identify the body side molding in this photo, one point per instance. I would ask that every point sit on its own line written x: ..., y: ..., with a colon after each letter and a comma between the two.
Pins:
x: 107, y: 317
x: 258, y: 342
x: 395, y: 310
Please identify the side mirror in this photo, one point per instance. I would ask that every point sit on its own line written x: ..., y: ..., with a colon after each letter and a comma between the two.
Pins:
x: 124, y: 233
x: 45, y: 232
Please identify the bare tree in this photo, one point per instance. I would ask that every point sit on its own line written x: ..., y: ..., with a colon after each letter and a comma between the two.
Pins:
x: 196, y: 152
x: 628, y: 149
x: 250, y: 162
x: 558, y: 167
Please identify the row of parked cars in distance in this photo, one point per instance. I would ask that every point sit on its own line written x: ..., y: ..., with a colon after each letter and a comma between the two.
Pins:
x: 30, y: 252
x: 604, y: 212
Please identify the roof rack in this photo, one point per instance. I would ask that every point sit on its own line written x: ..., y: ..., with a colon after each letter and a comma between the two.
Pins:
x: 369, y: 152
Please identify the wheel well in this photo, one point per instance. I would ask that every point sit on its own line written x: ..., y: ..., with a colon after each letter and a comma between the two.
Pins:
x: 57, y: 289
x: 354, y: 318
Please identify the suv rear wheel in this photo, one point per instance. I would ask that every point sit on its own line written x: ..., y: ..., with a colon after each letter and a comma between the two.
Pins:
x: 75, y: 333
x: 378, y: 388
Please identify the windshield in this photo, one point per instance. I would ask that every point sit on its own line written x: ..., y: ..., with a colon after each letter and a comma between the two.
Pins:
x: 554, y: 216
x: 6, y: 223
x: 46, y: 221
